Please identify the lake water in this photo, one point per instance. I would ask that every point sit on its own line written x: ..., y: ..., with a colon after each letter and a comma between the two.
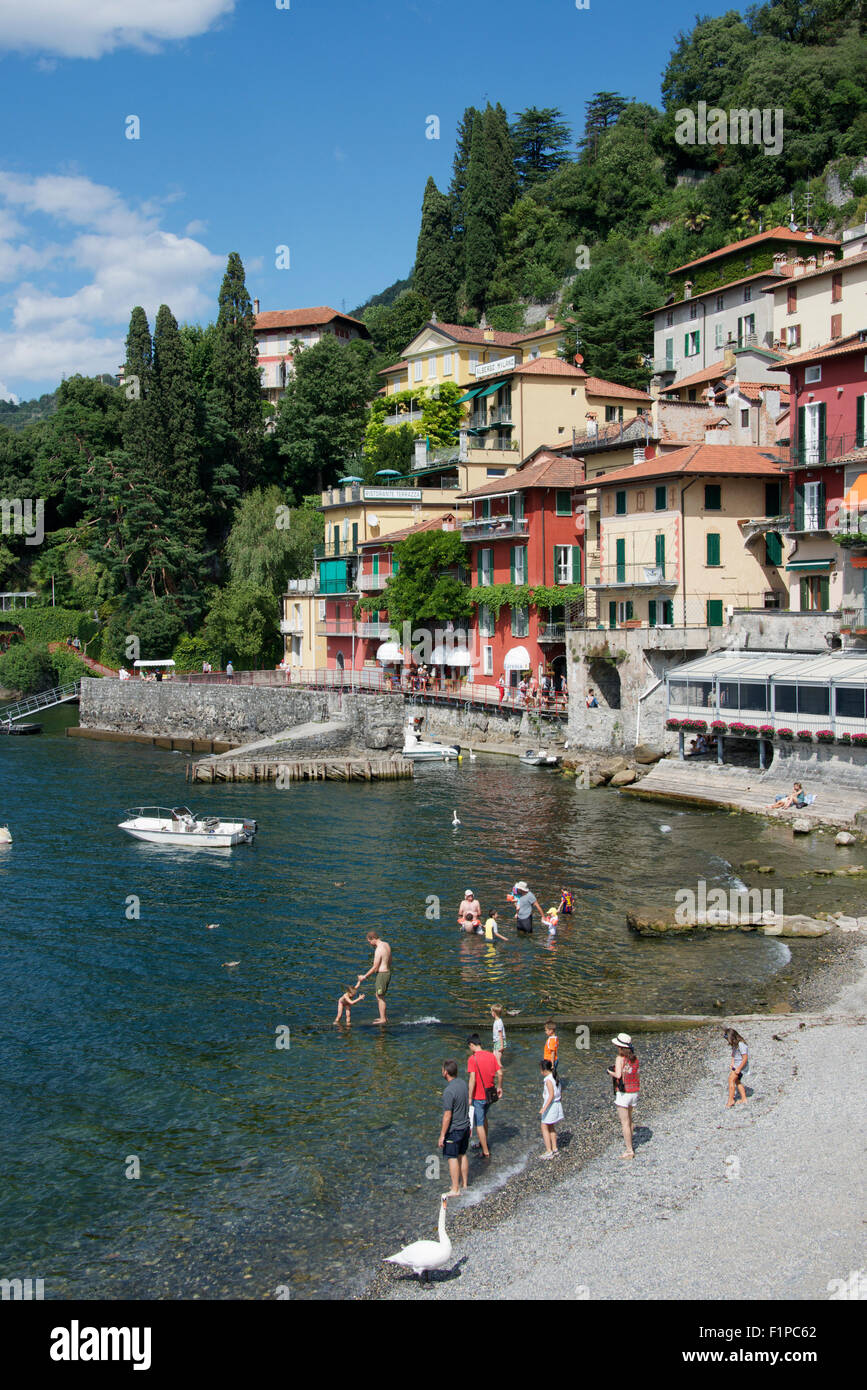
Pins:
x: 261, y: 1166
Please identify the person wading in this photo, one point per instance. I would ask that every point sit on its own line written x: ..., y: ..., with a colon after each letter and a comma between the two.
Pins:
x: 455, y: 1130
x: 382, y: 969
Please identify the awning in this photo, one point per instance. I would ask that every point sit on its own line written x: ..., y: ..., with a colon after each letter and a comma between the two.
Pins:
x: 388, y: 653
x: 809, y: 564
x: 439, y: 656
x: 459, y: 656
x: 469, y: 396
x: 517, y: 659
x: 489, y: 390
x: 169, y: 662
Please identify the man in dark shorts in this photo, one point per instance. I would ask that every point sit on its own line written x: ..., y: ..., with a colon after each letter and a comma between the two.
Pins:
x: 455, y: 1132
x: 525, y: 902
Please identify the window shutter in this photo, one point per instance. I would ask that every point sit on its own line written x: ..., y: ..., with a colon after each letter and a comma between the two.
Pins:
x: 799, y: 488
x: 668, y: 611
x: 805, y: 596
x: 355, y: 535
x: 479, y: 566
x: 612, y: 614
x: 651, y: 613
x: 824, y: 596
x: 621, y: 561
x: 576, y: 564
x: 629, y: 610
x: 860, y: 405
x: 660, y: 554
x: 822, y: 414
x: 714, y: 612
x: 820, y: 499
x: 802, y: 441
x: 773, y: 549
x: 713, y: 548
x: 512, y: 554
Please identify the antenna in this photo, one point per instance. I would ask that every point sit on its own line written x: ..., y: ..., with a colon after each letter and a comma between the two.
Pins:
x: 808, y: 203
x: 793, y: 226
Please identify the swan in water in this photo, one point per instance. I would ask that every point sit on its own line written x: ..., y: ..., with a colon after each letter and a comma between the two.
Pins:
x: 211, y: 926
x: 455, y: 821
x: 472, y: 756
x: 5, y: 835
x: 228, y: 964
x: 424, y: 1255
x: 666, y: 829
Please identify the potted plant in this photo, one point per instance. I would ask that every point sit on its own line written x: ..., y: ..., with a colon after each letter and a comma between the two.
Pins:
x: 767, y: 730
x: 859, y: 739
x: 844, y: 738
x: 673, y: 723
x: 825, y: 736
x: 699, y: 725
x: 718, y: 726
x: 805, y: 736
x: 745, y: 730
x: 787, y: 734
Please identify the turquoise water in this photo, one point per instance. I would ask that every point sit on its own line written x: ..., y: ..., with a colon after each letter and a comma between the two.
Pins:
x: 262, y: 1166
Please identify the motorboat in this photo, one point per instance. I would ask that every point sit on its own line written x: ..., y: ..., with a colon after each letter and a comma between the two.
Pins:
x: 7, y: 727
x: 419, y: 751
x: 534, y: 759
x: 179, y: 826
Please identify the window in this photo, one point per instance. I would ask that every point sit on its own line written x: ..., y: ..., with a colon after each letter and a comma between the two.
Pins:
x: 613, y: 412
x: 773, y: 549
x: 669, y: 354
x: 567, y: 564
x: 719, y: 335
x: 691, y: 394
x: 714, y: 612
x: 812, y: 375
x: 850, y: 703
x: 691, y: 344
x: 745, y: 419
x: 712, y: 497
x: 812, y: 437
x: 660, y: 555
x: 836, y: 325
x: 791, y: 298
x: 693, y: 311
x: 748, y: 293
x: 487, y: 661
x: 563, y: 502
x: 431, y: 366
x: 814, y: 593
x: 519, y: 564
x: 720, y: 303
x: 335, y: 539
x: 669, y: 319
x: 836, y: 286
x: 485, y: 574
x: 520, y: 622
x: 474, y: 361
x: 773, y: 499
x: 746, y: 328
x: 486, y: 622
x: 416, y: 370
x: 620, y: 502
x: 447, y: 364
x: 322, y: 610
x: 713, y: 549
x: 659, y: 498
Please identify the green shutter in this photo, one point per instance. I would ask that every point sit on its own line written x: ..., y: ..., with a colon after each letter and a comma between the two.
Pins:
x: 824, y: 595
x: 376, y: 563
x: 660, y: 554
x: 822, y: 436
x: 668, y: 611
x: 620, y: 503
x: 479, y: 566
x: 713, y: 548
x: 612, y: 614
x: 712, y: 497
x: 802, y: 445
x: 773, y: 549
x: 820, y: 504
x: 576, y: 564
x: 799, y: 496
x: 659, y: 503
x: 805, y: 595
x: 512, y: 561
x: 629, y: 610
x: 354, y: 536
x: 714, y: 612
x: 860, y: 412
x: 651, y: 613
x: 621, y: 561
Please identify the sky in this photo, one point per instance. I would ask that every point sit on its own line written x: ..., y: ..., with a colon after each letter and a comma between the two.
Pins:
x: 261, y: 125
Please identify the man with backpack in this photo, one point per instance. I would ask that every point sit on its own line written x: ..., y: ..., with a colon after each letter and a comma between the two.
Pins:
x: 485, y: 1084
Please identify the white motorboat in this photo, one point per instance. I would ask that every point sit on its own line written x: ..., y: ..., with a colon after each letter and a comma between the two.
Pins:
x: 533, y: 759
x: 419, y: 751
x: 160, y: 825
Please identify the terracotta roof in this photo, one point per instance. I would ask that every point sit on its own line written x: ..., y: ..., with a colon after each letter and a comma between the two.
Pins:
x: 546, y: 470
x: 598, y: 386
x: 717, y: 422
x: 837, y: 347
x: 773, y: 275
x: 858, y: 259
x: 462, y: 334
x: 435, y: 524
x: 775, y: 234
x: 712, y: 459
x: 753, y: 390
x: 547, y: 366
x: 543, y: 332
x: 716, y: 371
x: 397, y: 367
x: 304, y: 318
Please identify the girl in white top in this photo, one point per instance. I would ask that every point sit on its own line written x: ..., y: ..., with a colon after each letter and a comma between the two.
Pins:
x: 499, y: 1031
x: 551, y: 1111
x: 739, y: 1068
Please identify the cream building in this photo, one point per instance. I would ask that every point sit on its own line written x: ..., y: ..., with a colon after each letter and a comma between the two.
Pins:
x: 303, y: 649
x: 822, y: 298
x: 449, y: 352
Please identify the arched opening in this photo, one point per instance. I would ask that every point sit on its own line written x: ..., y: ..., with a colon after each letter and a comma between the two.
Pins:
x: 340, y: 661
x: 605, y: 679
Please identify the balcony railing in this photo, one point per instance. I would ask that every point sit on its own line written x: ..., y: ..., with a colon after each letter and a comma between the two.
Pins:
x: 811, y: 453
x: 292, y: 626
x: 663, y: 364
x: 376, y: 627
x: 404, y: 417
x: 483, y: 444
x: 371, y: 582
x: 552, y: 632
x: 334, y: 550
x: 632, y: 576
x: 497, y: 528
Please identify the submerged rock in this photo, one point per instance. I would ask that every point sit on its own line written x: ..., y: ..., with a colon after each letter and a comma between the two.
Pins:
x: 844, y: 838
x: 625, y: 778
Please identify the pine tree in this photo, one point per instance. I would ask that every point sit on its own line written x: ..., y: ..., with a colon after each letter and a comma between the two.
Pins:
x: 481, y: 241
x: 435, y: 275
x: 236, y: 373
x: 458, y: 185
x: 540, y: 138
x: 603, y: 110
x: 500, y: 157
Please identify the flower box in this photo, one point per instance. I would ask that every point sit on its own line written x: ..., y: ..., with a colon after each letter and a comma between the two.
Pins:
x: 805, y: 736
x: 744, y: 730
x: 844, y: 738
x: 825, y: 736
x: 787, y: 734
x: 672, y: 723
x: 718, y: 726
x: 767, y: 730
x: 698, y: 725
x: 860, y: 739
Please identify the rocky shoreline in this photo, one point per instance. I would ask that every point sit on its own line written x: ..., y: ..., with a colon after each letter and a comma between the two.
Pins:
x: 557, y: 1230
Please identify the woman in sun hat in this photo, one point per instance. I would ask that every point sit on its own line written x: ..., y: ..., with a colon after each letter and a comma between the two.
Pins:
x: 624, y: 1074
x: 469, y: 911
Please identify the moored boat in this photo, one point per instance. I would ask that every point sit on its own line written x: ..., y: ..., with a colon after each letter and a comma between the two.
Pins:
x: 9, y: 728
x: 179, y: 826
x: 532, y: 758
x: 419, y: 750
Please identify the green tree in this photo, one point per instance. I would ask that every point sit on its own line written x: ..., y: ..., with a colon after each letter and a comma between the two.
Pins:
x: 393, y: 327
x: 541, y: 140
x: 500, y: 157
x: 480, y: 240
x: 242, y: 624
x: 26, y: 668
x: 427, y: 588
x: 269, y: 543
x: 611, y: 303
x: 137, y: 385
x: 435, y: 274
x: 602, y: 110
x: 458, y: 185
x: 321, y: 417
x: 237, y: 377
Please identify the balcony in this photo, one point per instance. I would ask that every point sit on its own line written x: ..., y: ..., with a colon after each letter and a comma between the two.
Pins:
x: 377, y: 627
x: 633, y: 576
x: 334, y: 627
x: 403, y: 417
x: 496, y: 528
x: 829, y: 448
x: 292, y: 627
x: 661, y: 365
x: 301, y: 586
x: 334, y: 550
x: 370, y: 583
x: 552, y: 632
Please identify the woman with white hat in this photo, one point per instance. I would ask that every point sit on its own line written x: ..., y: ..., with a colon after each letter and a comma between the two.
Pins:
x: 624, y: 1075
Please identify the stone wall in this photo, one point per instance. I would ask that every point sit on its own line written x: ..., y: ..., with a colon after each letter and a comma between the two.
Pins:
x: 237, y: 713
x: 493, y: 725
x: 815, y: 762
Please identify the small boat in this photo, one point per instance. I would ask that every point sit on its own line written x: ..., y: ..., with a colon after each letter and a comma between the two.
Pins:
x: 10, y: 728
x: 417, y: 750
x: 5, y: 835
x: 178, y: 826
x: 533, y: 759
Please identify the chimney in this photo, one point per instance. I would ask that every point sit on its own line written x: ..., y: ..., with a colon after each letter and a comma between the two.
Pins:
x: 256, y: 307
x: 828, y: 258
x: 420, y: 452
x: 798, y: 265
x: 550, y: 322
x: 809, y: 234
x: 687, y: 290
x: 781, y: 264
x: 489, y: 335
x: 811, y: 264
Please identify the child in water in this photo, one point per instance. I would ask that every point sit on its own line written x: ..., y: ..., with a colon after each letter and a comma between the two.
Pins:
x: 346, y: 1001
x: 566, y: 902
x: 550, y: 920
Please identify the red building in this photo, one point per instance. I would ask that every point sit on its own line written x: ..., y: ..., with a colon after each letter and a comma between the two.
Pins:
x: 526, y: 530
x: 826, y: 459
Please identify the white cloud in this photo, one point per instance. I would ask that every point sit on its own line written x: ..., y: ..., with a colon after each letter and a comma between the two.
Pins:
x: 98, y: 256
x: 90, y: 28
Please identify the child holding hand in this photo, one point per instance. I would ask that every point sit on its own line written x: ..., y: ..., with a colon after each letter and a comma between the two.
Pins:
x: 346, y: 1001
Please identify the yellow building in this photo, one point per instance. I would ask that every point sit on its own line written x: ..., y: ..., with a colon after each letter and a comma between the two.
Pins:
x: 442, y: 352
x: 303, y: 648
x: 684, y: 537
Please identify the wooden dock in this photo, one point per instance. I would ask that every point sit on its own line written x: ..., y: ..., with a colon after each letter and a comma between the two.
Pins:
x: 306, y: 770
x: 748, y: 789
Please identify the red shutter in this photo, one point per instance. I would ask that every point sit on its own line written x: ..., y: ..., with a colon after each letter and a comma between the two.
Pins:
x: 836, y: 325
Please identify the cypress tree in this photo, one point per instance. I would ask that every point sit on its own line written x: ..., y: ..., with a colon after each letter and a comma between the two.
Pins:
x: 236, y: 373
x: 500, y: 157
x: 137, y: 385
x: 172, y: 422
x: 481, y: 239
x: 458, y: 185
x: 435, y: 275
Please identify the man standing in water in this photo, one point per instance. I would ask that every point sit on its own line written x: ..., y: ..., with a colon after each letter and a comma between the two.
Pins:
x: 525, y: 902
x: 382, y: 969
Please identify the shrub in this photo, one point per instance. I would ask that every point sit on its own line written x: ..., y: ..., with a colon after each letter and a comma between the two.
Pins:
x: 67, y: 668
x: 54, y: 624
x: 27, y: 667
x: 805, y: 736
x: 787, y: 734
x: 191, y: 652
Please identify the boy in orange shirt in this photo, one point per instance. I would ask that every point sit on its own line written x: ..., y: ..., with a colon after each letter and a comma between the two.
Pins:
x: 552, y: 1045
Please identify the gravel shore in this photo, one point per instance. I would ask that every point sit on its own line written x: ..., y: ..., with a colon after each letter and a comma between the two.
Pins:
x: 765, y: 1200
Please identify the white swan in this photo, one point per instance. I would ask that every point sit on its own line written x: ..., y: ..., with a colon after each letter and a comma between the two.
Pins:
x: 5, y: 835
x: 455, y: 821
x: 472, y: 756
x: 424, y: 1255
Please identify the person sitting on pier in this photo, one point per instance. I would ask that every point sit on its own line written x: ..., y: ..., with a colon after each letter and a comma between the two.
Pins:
x: 796, y: 798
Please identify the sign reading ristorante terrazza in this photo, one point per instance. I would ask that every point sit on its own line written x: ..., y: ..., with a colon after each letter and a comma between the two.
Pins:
x: 505, y: 364
x: 392, y: 494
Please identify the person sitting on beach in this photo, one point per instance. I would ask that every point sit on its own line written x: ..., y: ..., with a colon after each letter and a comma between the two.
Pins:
x: 346, y: 1001
x: 491, y: 929
x: 796, y: 799
x: 739, y: 1067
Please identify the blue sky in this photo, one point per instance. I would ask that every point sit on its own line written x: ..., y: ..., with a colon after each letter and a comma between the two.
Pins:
x: 259, y: 127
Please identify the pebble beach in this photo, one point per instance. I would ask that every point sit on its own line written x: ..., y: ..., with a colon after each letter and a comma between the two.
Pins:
x: 765, y: 1200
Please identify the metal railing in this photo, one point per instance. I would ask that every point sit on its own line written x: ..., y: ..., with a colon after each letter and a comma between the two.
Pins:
x: 45, y: 699
x: 634, y: 575
x: 495, y: 528
x: 367, y: 582
x: 402, y: 417
x: 806, y: 453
